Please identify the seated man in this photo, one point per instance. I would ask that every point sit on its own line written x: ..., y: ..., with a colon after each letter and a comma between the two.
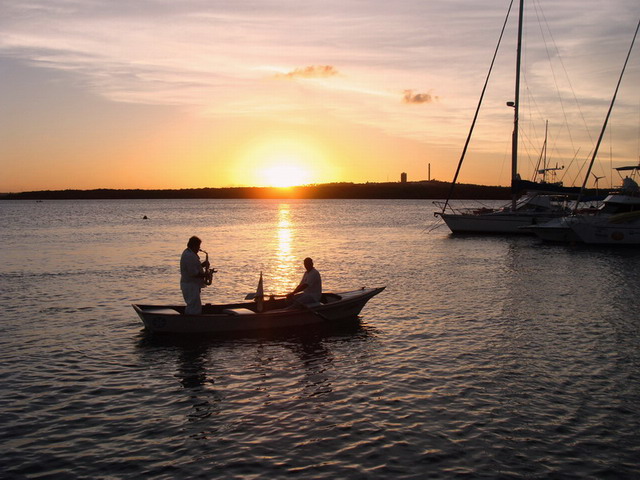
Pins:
x: 310, y: 286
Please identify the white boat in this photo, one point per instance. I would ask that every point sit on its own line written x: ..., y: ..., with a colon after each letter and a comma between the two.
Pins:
x: 539, y: 204
x: 560, y: 230
x: 620, y: 229
x: 617, y: 222
x: 532, y: 209
x: 241, y: 317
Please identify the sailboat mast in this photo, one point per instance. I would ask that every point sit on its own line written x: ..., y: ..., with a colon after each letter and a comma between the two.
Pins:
x: 544, y: 159
x: 516, y: 112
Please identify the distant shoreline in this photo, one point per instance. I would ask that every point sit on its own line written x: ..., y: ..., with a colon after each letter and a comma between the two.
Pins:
x: 433, y: 189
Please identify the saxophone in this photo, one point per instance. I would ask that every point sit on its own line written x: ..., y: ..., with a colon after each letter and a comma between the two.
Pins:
x: 208, y: 271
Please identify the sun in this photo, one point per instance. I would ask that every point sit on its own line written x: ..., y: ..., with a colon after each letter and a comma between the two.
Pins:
x: 282, y: 160
x: 285, y: 175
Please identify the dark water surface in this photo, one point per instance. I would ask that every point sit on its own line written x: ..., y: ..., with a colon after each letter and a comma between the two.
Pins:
x: 485, y: 357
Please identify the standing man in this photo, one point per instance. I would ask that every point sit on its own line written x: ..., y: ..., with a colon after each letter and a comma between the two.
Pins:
x: 310, y: 285
x: 192, y: 276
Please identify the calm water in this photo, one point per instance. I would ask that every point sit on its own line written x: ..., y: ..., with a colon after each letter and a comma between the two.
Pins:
x: 485, y: 357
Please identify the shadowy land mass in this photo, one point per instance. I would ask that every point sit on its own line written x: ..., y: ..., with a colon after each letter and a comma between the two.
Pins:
x: 432, y: 189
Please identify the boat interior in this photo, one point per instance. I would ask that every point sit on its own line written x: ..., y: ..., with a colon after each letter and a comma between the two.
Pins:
x: 270, y: 303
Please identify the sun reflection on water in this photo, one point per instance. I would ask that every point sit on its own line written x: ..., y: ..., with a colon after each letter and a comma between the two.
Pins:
x: 284, y: 271
x: 284, y: 232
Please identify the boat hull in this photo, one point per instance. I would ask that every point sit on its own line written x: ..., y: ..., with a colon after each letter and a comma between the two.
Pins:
x: 496, y: 223
x: 242, y: 317
x: 617, y: 222
x: 556, y: 231
x: 608, y: 233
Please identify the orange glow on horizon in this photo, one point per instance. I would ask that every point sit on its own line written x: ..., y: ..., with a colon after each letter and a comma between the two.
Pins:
x: 285, y: 175
x: 283, y: 160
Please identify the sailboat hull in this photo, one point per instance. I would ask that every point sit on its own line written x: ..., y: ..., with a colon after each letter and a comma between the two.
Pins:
x: 497, y: 222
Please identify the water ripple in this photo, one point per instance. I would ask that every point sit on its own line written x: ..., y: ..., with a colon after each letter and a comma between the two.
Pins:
x: 494, y: 358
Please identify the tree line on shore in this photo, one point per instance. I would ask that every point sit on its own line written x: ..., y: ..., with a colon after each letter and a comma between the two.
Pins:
x: 392, y: 190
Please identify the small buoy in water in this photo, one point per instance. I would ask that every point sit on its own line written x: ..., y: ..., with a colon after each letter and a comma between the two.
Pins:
x: 145, y: 218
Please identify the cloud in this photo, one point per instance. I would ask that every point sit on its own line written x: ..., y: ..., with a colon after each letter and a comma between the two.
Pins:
x: 211, y: 57
x: 312, y: 71
x: 410, y: 97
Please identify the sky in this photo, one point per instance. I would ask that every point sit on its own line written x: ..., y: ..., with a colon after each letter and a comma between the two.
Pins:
x: 209, y: 93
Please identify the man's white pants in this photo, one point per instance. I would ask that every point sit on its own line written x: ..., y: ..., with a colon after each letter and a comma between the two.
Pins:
x: 191, y: 294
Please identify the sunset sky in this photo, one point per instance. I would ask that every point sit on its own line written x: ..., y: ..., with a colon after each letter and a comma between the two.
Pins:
x: 196, y: 93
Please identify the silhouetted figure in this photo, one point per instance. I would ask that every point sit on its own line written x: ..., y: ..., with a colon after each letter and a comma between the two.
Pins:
x: 192, y: 276
x: 310, y: 285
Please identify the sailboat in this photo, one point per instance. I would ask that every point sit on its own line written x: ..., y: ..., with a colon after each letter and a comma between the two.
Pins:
x: 541, y: 201
x: 618, y: 212
x: 617, y: 221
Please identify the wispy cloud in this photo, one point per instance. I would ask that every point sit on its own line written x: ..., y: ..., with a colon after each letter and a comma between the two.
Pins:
x: 312, y: 71
x: 409, y: 96
x: 211, y: 56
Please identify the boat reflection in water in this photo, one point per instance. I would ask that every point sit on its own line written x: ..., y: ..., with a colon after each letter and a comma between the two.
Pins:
x: 299, y: 360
